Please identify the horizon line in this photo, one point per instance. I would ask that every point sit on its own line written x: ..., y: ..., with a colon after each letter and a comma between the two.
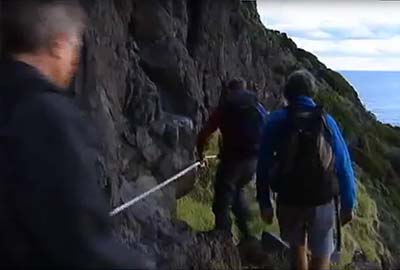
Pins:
x: 366, y: 70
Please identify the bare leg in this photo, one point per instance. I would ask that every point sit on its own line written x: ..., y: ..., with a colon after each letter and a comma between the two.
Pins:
x: 320, y: 263
x: 299, y: 259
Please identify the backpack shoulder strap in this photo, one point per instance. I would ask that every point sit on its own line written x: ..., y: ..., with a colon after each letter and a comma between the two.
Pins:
x: 262, y: 111
x: 325, y: 123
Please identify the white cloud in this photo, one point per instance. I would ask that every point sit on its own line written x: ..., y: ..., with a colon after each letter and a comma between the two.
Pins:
x: 361, y: 31
x: 361, y: 63
x: 345, y: 35
x: 353, y: 47
x: 319, y: 34
x: 340, y: 15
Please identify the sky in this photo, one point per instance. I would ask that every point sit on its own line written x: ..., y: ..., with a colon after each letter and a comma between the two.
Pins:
x: 345, y: 35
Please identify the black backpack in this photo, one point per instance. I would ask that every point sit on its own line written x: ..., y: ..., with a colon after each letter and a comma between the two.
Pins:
x: 243, y: 121
x: 304, y: 173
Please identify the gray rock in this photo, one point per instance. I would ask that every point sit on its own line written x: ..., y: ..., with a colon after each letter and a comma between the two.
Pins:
x: 145, y: 143
x: 274, y: 244
x: 158, y: 127
x: 171, y: 135
x: 360, y: 262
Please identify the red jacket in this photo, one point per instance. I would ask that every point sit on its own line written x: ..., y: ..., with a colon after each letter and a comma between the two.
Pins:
x: 209, y: 128
x: 237, y: 143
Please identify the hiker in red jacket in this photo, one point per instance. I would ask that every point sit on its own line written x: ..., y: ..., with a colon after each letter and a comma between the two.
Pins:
x: 240, y: 118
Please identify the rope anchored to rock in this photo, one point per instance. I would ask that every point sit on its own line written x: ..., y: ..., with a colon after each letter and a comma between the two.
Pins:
x: 128, y: 204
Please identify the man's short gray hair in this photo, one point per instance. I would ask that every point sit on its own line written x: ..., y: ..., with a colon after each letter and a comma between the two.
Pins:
x: 300, y: 83
x: 30, y: 25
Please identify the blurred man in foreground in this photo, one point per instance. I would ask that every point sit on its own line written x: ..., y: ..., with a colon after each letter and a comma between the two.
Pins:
x: 53, y: 214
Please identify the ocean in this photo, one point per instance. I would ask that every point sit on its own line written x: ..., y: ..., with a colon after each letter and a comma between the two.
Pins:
x: 379, y: 91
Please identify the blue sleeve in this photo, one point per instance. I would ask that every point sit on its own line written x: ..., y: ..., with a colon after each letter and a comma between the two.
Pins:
x: 344, y: 168
x: 265, y: 162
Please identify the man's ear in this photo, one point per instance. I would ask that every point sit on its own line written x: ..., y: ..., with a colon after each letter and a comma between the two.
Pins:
x: 58, y: 45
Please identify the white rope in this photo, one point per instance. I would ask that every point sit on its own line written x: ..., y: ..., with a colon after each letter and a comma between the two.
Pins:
x: 211, y: 157
x: 126, y: 205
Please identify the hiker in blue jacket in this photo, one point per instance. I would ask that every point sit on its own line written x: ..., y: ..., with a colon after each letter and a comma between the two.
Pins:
x: 305, y: 178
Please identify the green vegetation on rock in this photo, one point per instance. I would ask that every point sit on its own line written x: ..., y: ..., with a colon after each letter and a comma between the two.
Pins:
x: 362, y: 233
x: 197, y: 214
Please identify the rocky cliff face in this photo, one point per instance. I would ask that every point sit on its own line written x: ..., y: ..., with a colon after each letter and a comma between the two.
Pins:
x: 148, y: 81
x: 152, y: 72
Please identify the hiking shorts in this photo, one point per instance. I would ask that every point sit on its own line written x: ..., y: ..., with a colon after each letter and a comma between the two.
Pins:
x: 313, y: 226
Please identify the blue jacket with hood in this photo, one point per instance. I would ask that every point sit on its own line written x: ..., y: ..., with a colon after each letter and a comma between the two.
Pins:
x: 271, y: 137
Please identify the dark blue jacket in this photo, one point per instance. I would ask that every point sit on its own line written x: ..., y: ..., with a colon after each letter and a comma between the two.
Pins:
x: 271, y: 137
x: 53, y: 213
